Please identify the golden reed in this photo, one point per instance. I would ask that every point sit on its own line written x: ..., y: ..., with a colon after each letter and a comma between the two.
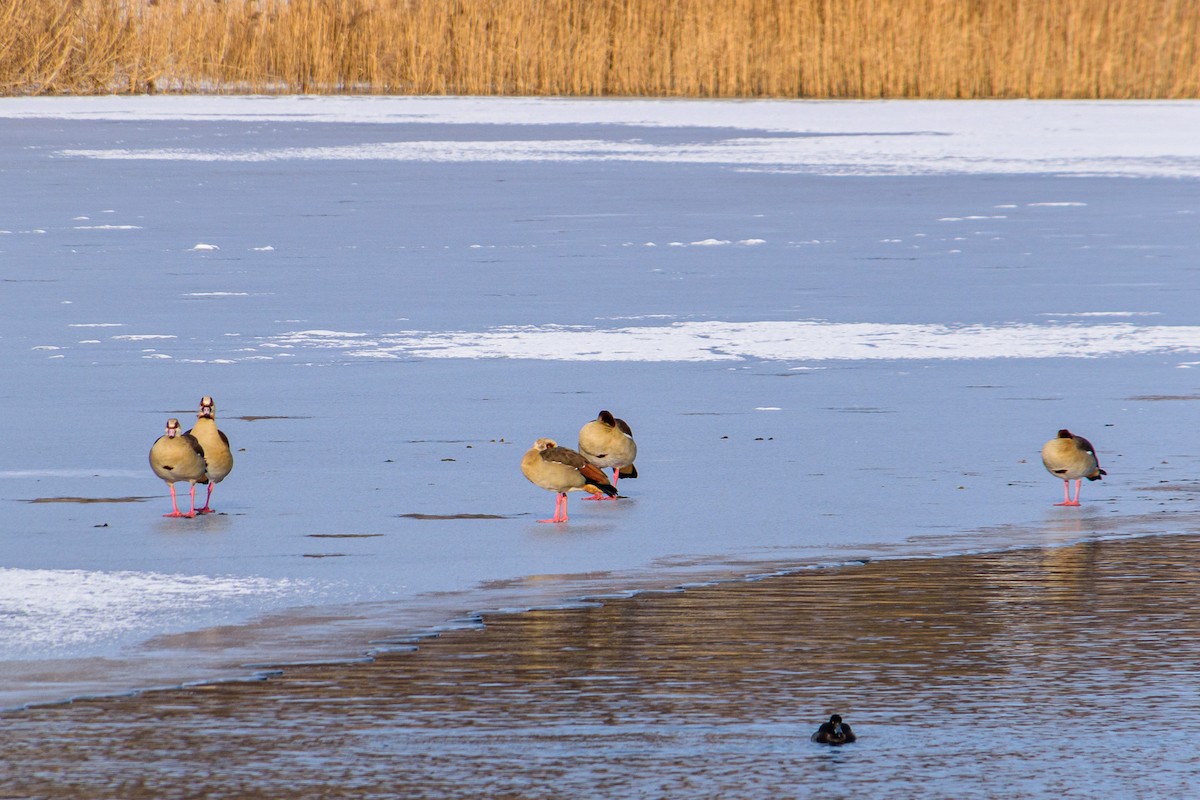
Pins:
x: 687, y: 48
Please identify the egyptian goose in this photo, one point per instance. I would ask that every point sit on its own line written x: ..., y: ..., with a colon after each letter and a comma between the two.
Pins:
x: 834, y: 732
x: 608, y: 442
x: 562, y: 470
x: 216, y: 448
x: 1071, y: 458
x: 178, y: 457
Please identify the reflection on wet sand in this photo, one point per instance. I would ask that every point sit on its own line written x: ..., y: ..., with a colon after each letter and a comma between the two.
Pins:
x: 1067, y: 671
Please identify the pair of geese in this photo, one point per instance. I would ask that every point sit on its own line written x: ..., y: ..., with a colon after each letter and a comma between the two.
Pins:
x: 201, y: 455
x: 608, y: 442
x: 604, y: 442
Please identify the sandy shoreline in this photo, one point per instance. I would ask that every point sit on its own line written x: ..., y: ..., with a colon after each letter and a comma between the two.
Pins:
x: 1026, y: 667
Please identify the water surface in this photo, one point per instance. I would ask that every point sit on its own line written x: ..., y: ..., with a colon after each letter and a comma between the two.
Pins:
x: 1066, y: 671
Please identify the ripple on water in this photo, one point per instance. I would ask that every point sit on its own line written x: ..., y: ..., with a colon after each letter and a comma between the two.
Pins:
x: 1066, y: 672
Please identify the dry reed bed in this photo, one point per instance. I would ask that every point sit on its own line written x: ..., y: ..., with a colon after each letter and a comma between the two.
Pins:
x: 691, y: 48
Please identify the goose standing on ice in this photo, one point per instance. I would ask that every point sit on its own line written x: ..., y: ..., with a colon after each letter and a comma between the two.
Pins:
x: 608, y: 442
x: 216, y: 448
x: 1071, y: 458
x: 178, y: 457
x: 562, y: 470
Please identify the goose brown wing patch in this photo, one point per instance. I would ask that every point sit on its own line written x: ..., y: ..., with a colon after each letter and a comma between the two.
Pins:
x: 624, y: 428
x: 594, y: 475
x: 564, y: 455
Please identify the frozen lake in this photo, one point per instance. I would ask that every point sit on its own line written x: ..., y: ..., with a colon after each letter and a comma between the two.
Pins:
x: 839, y: 330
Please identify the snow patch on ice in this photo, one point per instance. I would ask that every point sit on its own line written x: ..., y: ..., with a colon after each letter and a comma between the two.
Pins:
x: 776, y: 154
x: 45, y: 610
x: 138, y: 337
x: 331, y: 335
x: 202, y: 247
x: 773, y: 340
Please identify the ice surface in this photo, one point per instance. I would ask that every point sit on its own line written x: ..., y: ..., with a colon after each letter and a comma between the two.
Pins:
x: 867, y: 137
x: 838, y: 330
x: 69, y: 610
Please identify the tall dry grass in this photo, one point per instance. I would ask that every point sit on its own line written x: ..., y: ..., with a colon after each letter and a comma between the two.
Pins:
x: 692, y: 48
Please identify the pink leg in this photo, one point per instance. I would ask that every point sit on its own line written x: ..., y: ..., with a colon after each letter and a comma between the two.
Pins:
x: 175, y: 507
x: 207, y: 500
x: 1067, y: 501
x: 560, y: 509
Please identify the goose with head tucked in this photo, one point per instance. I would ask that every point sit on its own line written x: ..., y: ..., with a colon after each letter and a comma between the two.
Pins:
x: 561, y: 470
x: 1071, y: 458
x: 607, y: 442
